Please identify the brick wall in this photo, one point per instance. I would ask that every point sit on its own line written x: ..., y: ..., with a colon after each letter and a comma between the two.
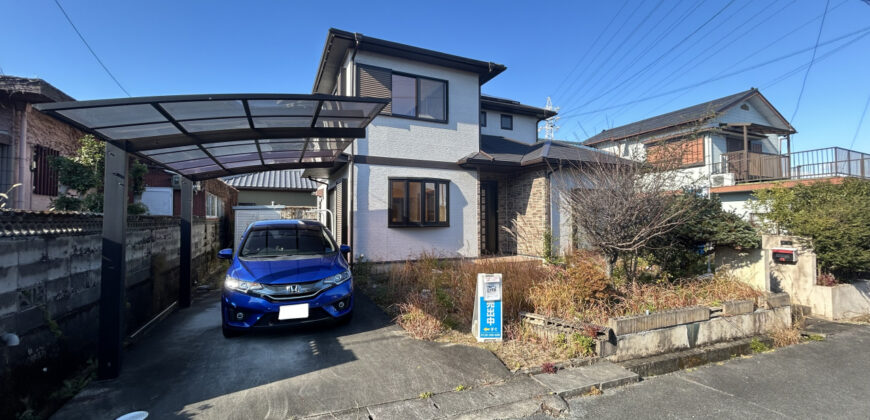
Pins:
x: 523, y: 211
x: 44, y: 131
x: 50, y: 282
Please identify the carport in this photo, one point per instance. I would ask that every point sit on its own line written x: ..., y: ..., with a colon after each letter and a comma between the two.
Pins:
x: 201, y: 137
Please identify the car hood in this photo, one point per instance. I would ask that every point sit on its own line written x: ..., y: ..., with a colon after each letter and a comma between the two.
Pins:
x: 292, y: 270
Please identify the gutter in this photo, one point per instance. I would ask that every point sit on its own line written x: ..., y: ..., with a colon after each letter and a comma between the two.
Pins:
x: 22, y: 158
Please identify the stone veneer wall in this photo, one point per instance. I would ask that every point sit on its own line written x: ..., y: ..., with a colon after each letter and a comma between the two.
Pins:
x: 50, y: 281
x: 523, y: 211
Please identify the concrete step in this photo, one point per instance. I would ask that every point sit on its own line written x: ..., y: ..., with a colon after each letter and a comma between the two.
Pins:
x: 672, y: 362
x: 577, y: 381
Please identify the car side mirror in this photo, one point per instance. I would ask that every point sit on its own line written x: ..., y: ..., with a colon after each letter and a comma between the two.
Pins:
x: 344, y: 249
x: 225, y: 254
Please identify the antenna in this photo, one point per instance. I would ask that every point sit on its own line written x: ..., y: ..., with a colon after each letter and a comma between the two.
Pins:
x: 549, y: 128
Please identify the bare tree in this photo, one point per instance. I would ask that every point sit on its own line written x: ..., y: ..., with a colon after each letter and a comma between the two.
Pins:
x: 620, y: 205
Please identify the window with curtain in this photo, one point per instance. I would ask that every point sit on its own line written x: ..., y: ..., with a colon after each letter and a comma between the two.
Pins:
x: 419, y: 202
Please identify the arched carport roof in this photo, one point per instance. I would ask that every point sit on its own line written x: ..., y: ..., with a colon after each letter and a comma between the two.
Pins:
x: 207, y: 136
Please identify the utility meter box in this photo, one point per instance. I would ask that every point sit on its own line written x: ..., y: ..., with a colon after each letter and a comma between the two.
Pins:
x: 486, y: 323
x: 784, y: 255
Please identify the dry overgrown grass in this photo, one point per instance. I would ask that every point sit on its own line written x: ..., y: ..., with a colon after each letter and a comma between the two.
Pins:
x: 433, y: 299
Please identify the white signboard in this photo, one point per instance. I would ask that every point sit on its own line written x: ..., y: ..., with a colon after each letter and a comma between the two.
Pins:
x: 487, y: 322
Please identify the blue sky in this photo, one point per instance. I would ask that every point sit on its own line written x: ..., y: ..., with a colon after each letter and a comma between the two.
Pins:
x: 605, y: 63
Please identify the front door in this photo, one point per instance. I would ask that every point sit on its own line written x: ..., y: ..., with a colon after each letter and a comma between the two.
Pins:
x: 489, y: 218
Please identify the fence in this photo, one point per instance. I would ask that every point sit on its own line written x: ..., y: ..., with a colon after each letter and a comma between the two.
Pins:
x: 818, y: 163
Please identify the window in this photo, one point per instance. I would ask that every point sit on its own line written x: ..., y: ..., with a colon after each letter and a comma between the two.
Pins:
x: 419, y: 202
x: 44, y: 176
x: 507, y: 122
x: 404, y: 95
x: 287, y: 241
x: 411, y: 96
x: 214, y: 206
x: 483, y: 118
x: 682, y: 152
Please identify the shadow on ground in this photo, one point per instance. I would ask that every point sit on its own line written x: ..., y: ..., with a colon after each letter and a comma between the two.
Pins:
x: 187, y: 369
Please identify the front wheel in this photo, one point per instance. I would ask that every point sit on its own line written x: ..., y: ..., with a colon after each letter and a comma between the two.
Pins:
x: 229, y: 332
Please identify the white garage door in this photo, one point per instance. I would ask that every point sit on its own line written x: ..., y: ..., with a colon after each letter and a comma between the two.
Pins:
x: 158, y: 200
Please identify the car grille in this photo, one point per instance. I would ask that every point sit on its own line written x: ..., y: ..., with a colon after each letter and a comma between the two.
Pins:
x: 291, y: 291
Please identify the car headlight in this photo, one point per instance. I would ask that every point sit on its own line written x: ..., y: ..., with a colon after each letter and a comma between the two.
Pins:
x: 243, y: 286
x: 337, y: 279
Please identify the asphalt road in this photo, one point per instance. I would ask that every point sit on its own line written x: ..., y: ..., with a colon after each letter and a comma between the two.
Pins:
x: 185, y: 368
x: 815, y: 380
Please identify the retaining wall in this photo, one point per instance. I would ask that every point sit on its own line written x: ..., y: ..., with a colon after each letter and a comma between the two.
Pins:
x: 50, y: 281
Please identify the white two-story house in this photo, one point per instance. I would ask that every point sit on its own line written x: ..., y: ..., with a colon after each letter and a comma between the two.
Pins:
x: 443, y: 170
x: 730, y: 147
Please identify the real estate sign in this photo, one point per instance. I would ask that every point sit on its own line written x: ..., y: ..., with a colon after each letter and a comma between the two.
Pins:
x: 487, y: 321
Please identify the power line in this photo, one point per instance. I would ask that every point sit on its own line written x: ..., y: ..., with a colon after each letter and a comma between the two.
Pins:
x: 863, y: 114
x: 594, y: 44
x: 1, y: 71
x: 89, y: 47
x: 813, y: 59
x: 686, y: 38
x: 858, y: 35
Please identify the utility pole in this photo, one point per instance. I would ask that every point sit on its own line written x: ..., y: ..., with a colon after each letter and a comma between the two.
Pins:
x: 549, y: 128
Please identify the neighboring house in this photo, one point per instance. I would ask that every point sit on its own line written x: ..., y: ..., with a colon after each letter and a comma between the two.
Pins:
x: 443, y: 169
x: 28, y: 139
x: 212, y: 199
x: 285, y: 187
x: 730, y: 147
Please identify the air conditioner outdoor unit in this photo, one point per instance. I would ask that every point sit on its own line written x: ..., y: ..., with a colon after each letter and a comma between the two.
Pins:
x: 721, y: 180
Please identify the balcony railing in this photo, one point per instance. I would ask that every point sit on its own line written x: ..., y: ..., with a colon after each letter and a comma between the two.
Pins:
x: 819, y: 163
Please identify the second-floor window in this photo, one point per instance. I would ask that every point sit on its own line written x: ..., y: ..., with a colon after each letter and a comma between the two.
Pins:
x: 689, y: 152
x: 507, y: 122
x: 411, y: 96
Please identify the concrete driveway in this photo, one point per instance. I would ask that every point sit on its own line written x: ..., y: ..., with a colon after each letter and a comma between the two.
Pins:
x: 185, y: 368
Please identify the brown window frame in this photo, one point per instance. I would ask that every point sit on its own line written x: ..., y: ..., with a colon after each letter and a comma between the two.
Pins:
x: 45, y: 178
x: 418, y: 78
x: 422, y: 202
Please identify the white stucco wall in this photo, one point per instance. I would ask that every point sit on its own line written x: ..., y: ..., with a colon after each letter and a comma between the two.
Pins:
x: 738, y: 203
x: 419, y: 139
x: 378, y: 242
x: 525, y: 127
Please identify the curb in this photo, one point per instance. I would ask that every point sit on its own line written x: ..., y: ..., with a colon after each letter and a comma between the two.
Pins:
x: 672, y: 362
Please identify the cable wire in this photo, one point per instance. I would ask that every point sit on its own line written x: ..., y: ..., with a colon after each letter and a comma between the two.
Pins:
x: 860, y: 121
x: 812, y: 60
x: 89, y: 47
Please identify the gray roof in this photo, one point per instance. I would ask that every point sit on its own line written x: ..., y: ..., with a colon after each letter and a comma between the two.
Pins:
x: 31, y: 90
x: 496, y: 150
x: 508, y: 105
x: 695, y: 113
x: 288, y: 179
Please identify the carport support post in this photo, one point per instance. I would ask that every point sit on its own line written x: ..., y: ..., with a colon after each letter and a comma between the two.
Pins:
x: 185, y: 265
x: 113, y: 279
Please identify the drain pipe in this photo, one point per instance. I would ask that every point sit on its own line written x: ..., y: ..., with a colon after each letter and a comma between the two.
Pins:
x: 23, y: 167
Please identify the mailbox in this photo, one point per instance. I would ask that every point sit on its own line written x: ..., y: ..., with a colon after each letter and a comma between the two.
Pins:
x: 784, y: 255
x: 487, y: 320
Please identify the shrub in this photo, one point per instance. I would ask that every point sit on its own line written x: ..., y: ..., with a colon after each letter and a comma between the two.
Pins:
x: 835, y: 216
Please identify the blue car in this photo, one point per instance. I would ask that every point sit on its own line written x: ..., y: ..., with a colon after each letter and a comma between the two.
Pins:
x: 284, y: 273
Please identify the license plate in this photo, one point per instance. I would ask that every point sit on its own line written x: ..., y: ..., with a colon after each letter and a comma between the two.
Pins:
x: 293, y: 311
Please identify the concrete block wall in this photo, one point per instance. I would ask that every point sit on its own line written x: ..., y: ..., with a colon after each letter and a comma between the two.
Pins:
x: 50, y: 285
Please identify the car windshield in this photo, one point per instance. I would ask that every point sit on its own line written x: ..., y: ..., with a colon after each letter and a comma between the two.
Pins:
x: 285, y: 241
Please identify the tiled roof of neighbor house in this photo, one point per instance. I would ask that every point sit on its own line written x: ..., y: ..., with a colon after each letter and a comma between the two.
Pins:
x: 508, y: 105
x: 288, y: 179
x: 496, y: 150
x: 30, y: 90
x: 694, y: 113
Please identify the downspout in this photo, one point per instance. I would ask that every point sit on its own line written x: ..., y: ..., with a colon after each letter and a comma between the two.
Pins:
x: 352, y: 179
x: 23, y: 165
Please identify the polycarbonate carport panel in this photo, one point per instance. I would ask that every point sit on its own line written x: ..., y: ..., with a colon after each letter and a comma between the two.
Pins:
x: 207, y: 136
